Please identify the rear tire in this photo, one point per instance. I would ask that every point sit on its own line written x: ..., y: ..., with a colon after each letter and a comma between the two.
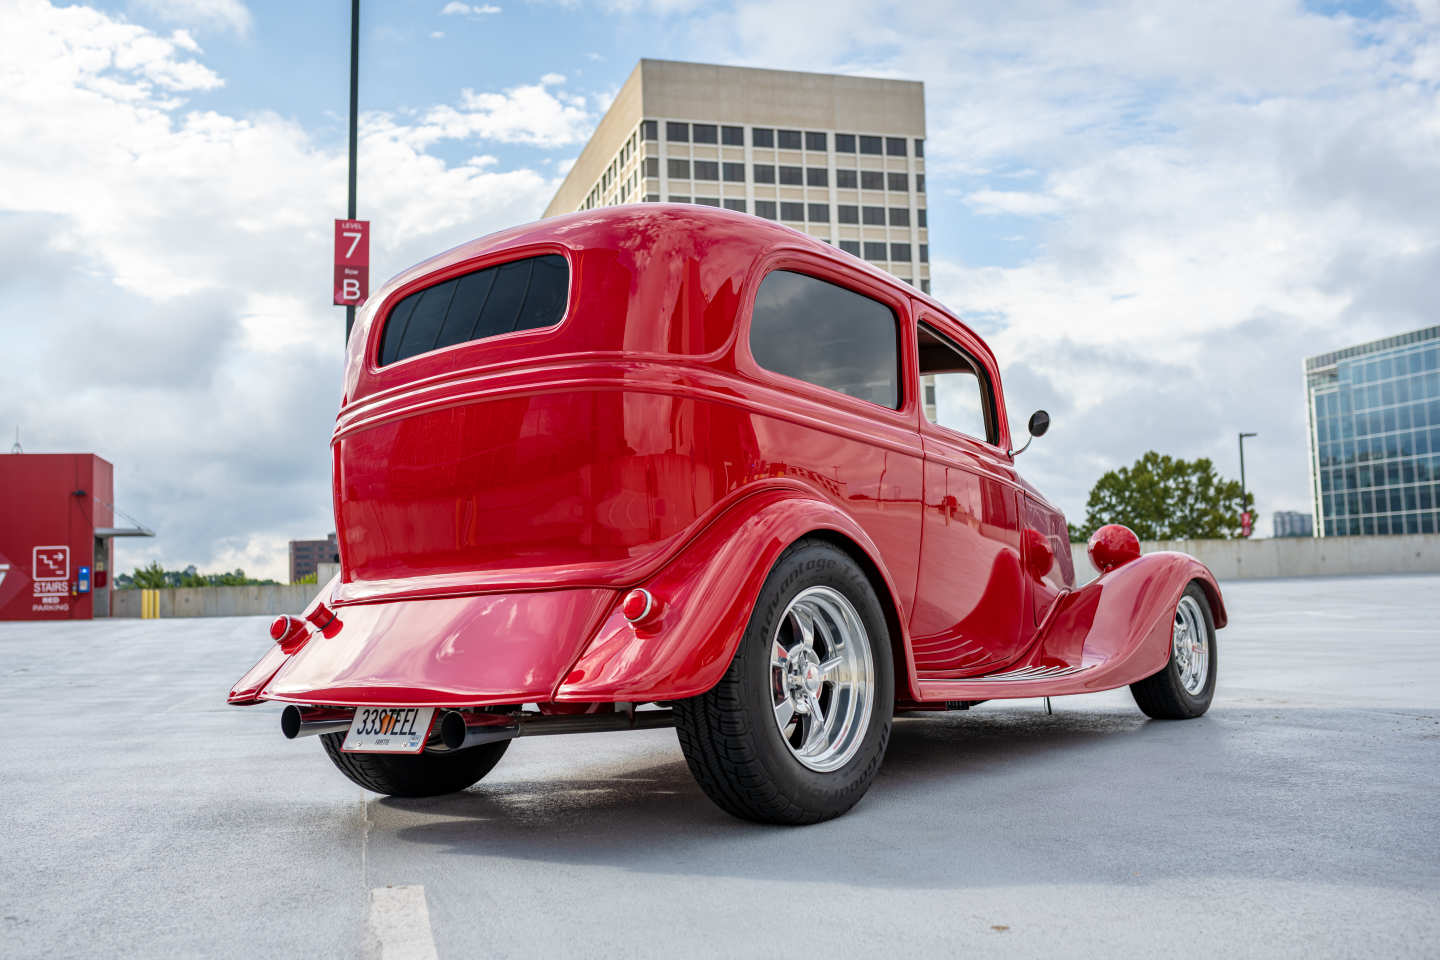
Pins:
x: 1183, y: 689
x: 796, y: 730
x: 415, y: 775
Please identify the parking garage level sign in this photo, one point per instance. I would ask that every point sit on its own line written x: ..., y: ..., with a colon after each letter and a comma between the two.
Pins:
x: 352, y: 262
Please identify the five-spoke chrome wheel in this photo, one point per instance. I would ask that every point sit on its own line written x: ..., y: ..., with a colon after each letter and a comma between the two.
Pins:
x: 1190, y: 647
x: 822, y: 676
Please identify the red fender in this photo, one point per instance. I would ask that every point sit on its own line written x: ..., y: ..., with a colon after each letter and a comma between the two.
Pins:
x: 247, y: 690
x: 705, y: 596
x: 1111, y: 632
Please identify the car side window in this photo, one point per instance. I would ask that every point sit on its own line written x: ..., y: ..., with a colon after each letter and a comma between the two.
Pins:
x: 828, y: 335
x: 954, y: 391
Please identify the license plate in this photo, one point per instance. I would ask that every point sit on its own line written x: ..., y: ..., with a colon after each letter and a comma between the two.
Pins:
x: 389, y: 730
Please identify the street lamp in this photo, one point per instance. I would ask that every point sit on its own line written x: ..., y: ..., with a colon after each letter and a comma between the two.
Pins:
x: 1244, y: 497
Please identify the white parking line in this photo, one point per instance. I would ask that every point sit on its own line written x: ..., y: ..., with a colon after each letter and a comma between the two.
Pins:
x: 400, y: 923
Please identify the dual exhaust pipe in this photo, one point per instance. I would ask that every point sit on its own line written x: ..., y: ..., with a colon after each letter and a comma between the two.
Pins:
x: 460, y: 729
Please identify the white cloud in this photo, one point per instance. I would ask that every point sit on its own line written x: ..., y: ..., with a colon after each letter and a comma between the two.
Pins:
x: 437, y: 34
x: 229, y: 15
x: 536, y: 114
x: 180, y: 255
x: 468, y: 9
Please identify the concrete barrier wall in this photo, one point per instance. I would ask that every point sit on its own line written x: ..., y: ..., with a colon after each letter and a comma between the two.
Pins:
x: 1297, y: 556
x: 267, y: 600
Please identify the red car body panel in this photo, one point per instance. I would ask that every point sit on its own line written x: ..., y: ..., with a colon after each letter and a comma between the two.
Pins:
x: 495, y: 499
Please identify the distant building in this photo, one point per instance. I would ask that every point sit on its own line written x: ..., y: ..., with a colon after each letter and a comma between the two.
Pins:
x: 306, y: 555
x: 841, y: 158
x: 1374, y: 419
x: 1293, y: 523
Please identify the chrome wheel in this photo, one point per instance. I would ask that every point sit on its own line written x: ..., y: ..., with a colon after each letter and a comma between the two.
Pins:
x: 1190, y: 646
x: 822, y: 677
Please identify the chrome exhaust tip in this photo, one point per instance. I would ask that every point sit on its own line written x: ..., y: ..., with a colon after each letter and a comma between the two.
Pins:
x: 297, y: 722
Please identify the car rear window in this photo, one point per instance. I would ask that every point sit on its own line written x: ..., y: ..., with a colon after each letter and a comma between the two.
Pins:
x: 827, y: 335
x: 520, y: 295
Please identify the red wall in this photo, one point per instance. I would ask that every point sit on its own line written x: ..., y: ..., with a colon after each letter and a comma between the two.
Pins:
x: 40, y: 507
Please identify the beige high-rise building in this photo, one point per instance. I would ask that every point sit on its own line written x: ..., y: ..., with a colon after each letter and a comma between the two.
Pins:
x: 841, y: 158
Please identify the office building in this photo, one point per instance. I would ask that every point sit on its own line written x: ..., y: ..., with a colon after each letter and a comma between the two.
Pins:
x: 1293, y: 523
x: 1374, y: 419
x: 840, y: 158
x: 307, y: 555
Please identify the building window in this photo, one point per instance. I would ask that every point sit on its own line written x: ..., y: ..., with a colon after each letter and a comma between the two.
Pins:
x: 734, y: 172
x: 920, y: 182
x: 872, y: 180
x: 794, y: 212
x: 924, y: 285
x: 847, y: 213
x: 895, y: 146
x: 649, y: 130
x: 899, y: 182
x: 707, y: 170
x: 818, y: 212
x: 924, y: 253
x: 708, y: 201
x: 874, y: 216
x: 679, y: 198
x: 899, y: 251
x: 872, y: 145
x: 732, y: 136
x: 844, y: 143
x: 845, y: 179
x: 652, y: 198
x: 764, y: 173
x: 677, y: 132
x: 792, y: 176
x: 762, y: 136
x: 520, y: 295
x: 920, y: 217
x: 919, y: 147
x: 652, y: 166
x: 874, y: 251
x: 678, y: 169
x: 850, y: 246
x: 789, y: 139
x: 824, y: 334
x: 735, y: 203
x: 704, y: 132
x: 815, y: 140
x: 766, y: 209
x: 817, y: 177
x: 899, y: 217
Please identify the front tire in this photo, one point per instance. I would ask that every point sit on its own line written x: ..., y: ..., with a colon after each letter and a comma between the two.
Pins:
x: 1183, y: 689
x: 795, y: 731
x: 415, y: 775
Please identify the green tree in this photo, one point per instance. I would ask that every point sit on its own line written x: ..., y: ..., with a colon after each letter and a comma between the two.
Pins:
x: 149, y: 578
x: 1164, y: 498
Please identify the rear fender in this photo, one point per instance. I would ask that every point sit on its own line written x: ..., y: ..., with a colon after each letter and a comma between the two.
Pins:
x: 706, y: 595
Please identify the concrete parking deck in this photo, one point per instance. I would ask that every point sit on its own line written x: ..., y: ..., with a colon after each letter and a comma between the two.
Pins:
x: 1301, y: 817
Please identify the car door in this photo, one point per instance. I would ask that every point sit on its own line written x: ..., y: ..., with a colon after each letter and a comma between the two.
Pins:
x: 971, y: 613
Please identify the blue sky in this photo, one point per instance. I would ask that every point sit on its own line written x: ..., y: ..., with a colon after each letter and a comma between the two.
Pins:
x: 1153, y: 209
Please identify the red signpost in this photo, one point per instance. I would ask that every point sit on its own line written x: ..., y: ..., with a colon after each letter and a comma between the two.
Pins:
x: 352, y: 262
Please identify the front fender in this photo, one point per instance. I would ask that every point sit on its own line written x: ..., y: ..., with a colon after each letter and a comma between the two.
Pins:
x: 706, y: 595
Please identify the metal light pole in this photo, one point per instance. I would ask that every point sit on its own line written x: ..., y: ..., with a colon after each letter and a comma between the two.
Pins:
x: 1244, y: 497
x: 354, y: 114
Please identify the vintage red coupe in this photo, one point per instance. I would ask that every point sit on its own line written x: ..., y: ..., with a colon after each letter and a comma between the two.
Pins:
x: 667, y: 465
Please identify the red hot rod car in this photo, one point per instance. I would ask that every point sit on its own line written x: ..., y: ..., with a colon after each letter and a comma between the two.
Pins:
x: 692, y: 462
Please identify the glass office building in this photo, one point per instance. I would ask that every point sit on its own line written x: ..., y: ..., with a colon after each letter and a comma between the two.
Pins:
x: 1374, y: 418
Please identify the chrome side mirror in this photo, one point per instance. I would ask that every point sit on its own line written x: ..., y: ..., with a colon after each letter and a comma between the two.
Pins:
x: 1039, y: 423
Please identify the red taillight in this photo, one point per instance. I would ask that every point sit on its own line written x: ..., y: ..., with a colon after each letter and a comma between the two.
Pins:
x: 638, y: 605
x: 325, y: 620
x: 289, y: 632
